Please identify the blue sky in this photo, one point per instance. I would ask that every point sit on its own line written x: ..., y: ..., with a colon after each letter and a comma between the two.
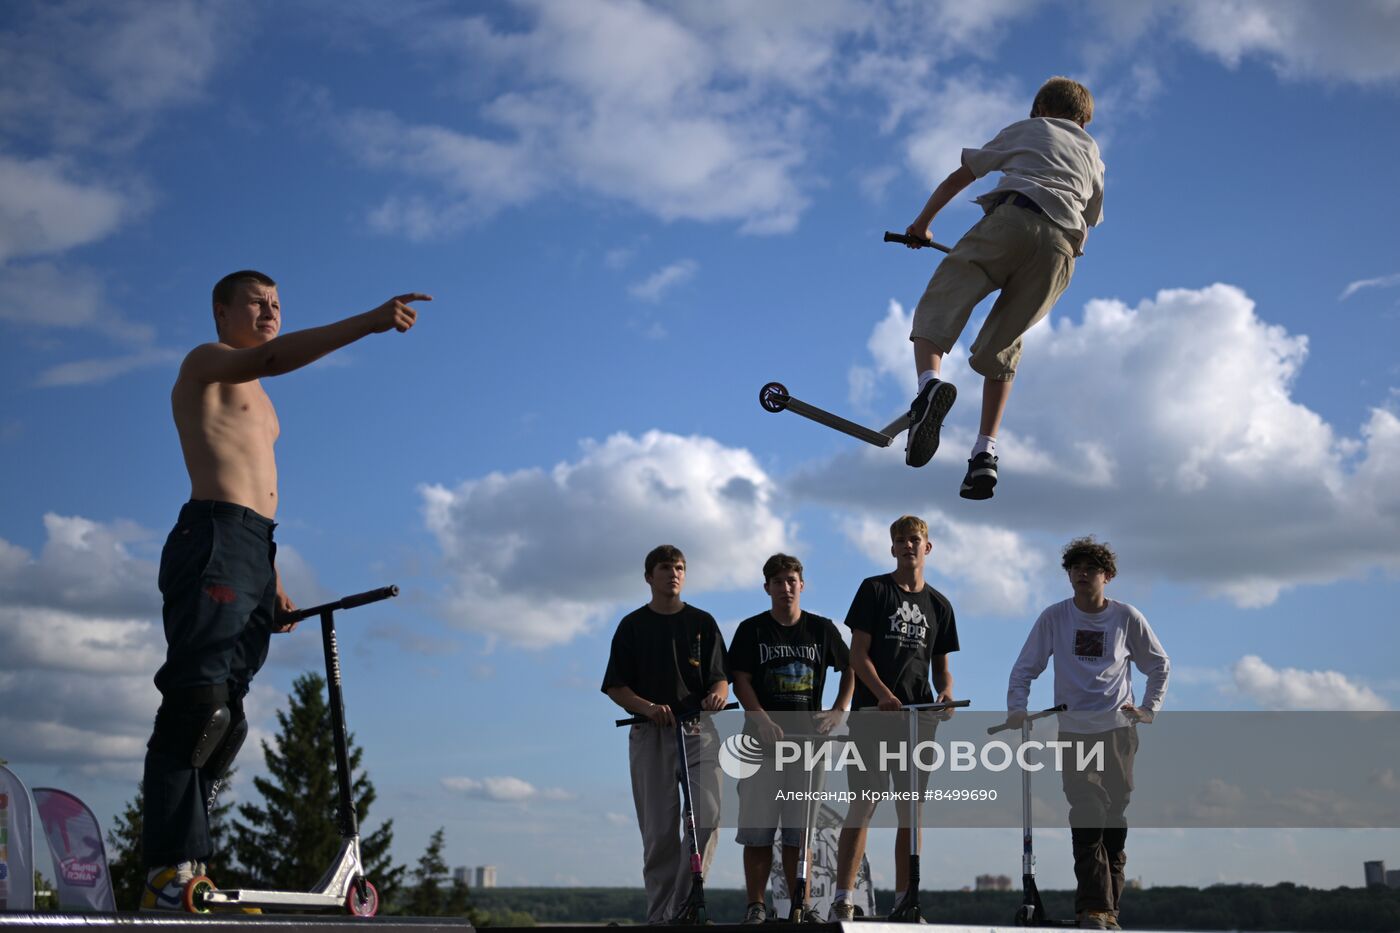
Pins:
x: 632, y: 216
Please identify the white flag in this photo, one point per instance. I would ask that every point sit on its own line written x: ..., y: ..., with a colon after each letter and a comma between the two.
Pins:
x: 16, y: 844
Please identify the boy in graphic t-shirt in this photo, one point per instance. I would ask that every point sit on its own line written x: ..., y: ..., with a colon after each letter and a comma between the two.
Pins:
x: 667, y: 659
x: 779, y: 659
x: 1093, y: 639
x: 902, y: 630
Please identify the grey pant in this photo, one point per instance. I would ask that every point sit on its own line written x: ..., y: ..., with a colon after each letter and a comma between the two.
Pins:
x: 651, y: 753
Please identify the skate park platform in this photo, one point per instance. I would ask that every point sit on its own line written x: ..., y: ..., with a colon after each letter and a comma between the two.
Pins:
x: 230, y: 923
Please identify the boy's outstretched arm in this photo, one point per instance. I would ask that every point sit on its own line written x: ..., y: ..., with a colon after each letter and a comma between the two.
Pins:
x: 945, y: 192
x: 218, y: 362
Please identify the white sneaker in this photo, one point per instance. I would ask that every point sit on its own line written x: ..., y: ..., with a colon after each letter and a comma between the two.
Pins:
x: 165, y: 887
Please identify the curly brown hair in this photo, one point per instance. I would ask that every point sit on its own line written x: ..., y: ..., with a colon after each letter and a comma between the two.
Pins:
x: 1091, y: 551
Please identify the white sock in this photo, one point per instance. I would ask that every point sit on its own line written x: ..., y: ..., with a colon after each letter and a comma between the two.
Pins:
x: 926, y: 377
x: 843, y: 895
x: 985, y: 443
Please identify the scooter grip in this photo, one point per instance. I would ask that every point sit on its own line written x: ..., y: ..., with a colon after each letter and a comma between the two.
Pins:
x: 369, y: 596
x: 891, y: 237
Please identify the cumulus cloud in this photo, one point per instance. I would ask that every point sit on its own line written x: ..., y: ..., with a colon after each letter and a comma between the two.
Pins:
x: 664, y: 279
x: 502, y: 534
x: 79, y: 640
x: 1348, y: 41
x: 708, y: 111
x: 505, y: 789
x: 1170, y: 429
x: 1291, y: 688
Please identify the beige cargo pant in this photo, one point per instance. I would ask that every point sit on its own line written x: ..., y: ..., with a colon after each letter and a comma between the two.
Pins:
x: 651, y: 753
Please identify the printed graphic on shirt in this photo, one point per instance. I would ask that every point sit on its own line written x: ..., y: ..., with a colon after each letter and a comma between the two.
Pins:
x: 790, y: 683
x: 695, y: 651
x: 1088, y: 644
x: 909, y: 626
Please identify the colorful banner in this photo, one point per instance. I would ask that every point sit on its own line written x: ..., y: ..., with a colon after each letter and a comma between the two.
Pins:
x: 16, y: 844
x: 79, y: 858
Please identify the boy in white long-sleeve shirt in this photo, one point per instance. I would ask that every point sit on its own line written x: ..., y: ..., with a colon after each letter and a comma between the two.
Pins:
x: 1093, y: 639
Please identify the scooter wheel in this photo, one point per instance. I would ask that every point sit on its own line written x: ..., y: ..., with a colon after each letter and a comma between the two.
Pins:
x: 773, y: 397
x: 367, y: 906
x: 1025, y: 916
x: 192, y: 898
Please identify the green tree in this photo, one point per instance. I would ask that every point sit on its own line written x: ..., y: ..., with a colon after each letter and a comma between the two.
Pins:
x: 289, y: 841
x: 431, y: 893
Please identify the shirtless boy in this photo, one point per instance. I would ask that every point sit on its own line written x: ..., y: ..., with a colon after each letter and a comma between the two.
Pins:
x: 218, y: 574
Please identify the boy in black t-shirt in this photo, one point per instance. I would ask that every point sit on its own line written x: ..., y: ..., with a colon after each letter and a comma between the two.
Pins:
x: 779, y: 660
x: 901, y: 629
x: 668, y: 658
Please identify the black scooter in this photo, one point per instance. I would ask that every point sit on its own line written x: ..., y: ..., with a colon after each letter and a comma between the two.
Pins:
x: 344, y: 885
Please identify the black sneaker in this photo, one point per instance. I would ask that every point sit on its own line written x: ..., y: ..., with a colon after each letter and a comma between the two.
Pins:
x: 981, y: 477
x: 926, y: 416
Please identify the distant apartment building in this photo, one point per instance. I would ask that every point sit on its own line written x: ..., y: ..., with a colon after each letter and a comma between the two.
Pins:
x: 479, y: 876
x: 993, y: 883
x: 1375, y: 874
x: 1392, y: 878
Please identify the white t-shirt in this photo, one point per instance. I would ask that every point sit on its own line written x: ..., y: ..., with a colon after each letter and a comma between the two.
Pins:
x: 1053, y: 162
x: 1092, y: 651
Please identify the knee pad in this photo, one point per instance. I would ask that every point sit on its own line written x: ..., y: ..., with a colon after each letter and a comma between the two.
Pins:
x: 223, y: 754
x: 191, y: 724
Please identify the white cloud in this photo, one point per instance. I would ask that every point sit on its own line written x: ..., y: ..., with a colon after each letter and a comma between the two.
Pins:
x: 507, y: 789
x: 82, y: 73
x: 44, y: 210
x: 964, y: 113
x: 79, y: 640
x: 1384, y: 281
x: 1301, y: 39
x: 104, y: 369
x: 691, y: 111
x: 621, y: 498
x: 1291, y: 688
x: 1168, y: 428
x: 664, y: 279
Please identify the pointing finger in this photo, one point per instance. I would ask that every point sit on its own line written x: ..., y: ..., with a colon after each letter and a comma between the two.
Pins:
x: 414, y: 296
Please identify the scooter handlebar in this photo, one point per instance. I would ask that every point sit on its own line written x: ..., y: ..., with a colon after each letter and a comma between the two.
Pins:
x: 682, y: 717
x: 951, y: 704
x: 892, y: 237
x: 1032, y: 717
x: 345, y: 602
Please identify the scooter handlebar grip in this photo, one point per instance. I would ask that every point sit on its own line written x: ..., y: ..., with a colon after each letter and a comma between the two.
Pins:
x: 369, y: 596
x: 638, y: 720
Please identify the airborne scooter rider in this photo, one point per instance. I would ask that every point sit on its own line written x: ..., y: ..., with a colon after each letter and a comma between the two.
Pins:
x: 218, y: 575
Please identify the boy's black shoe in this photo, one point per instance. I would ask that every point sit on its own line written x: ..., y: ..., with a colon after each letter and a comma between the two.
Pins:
x: 926, y: 416
x: 981, y: 477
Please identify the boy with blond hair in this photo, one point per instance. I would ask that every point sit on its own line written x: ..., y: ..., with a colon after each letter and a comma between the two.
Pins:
x: 1036, y: 222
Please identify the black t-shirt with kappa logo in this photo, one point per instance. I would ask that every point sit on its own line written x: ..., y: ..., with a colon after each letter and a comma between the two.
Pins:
x: 672, y: 659
x: 788, y: 663
x: 906, y: 631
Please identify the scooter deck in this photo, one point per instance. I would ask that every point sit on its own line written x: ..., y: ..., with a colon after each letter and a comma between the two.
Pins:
x: 774, y: 397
